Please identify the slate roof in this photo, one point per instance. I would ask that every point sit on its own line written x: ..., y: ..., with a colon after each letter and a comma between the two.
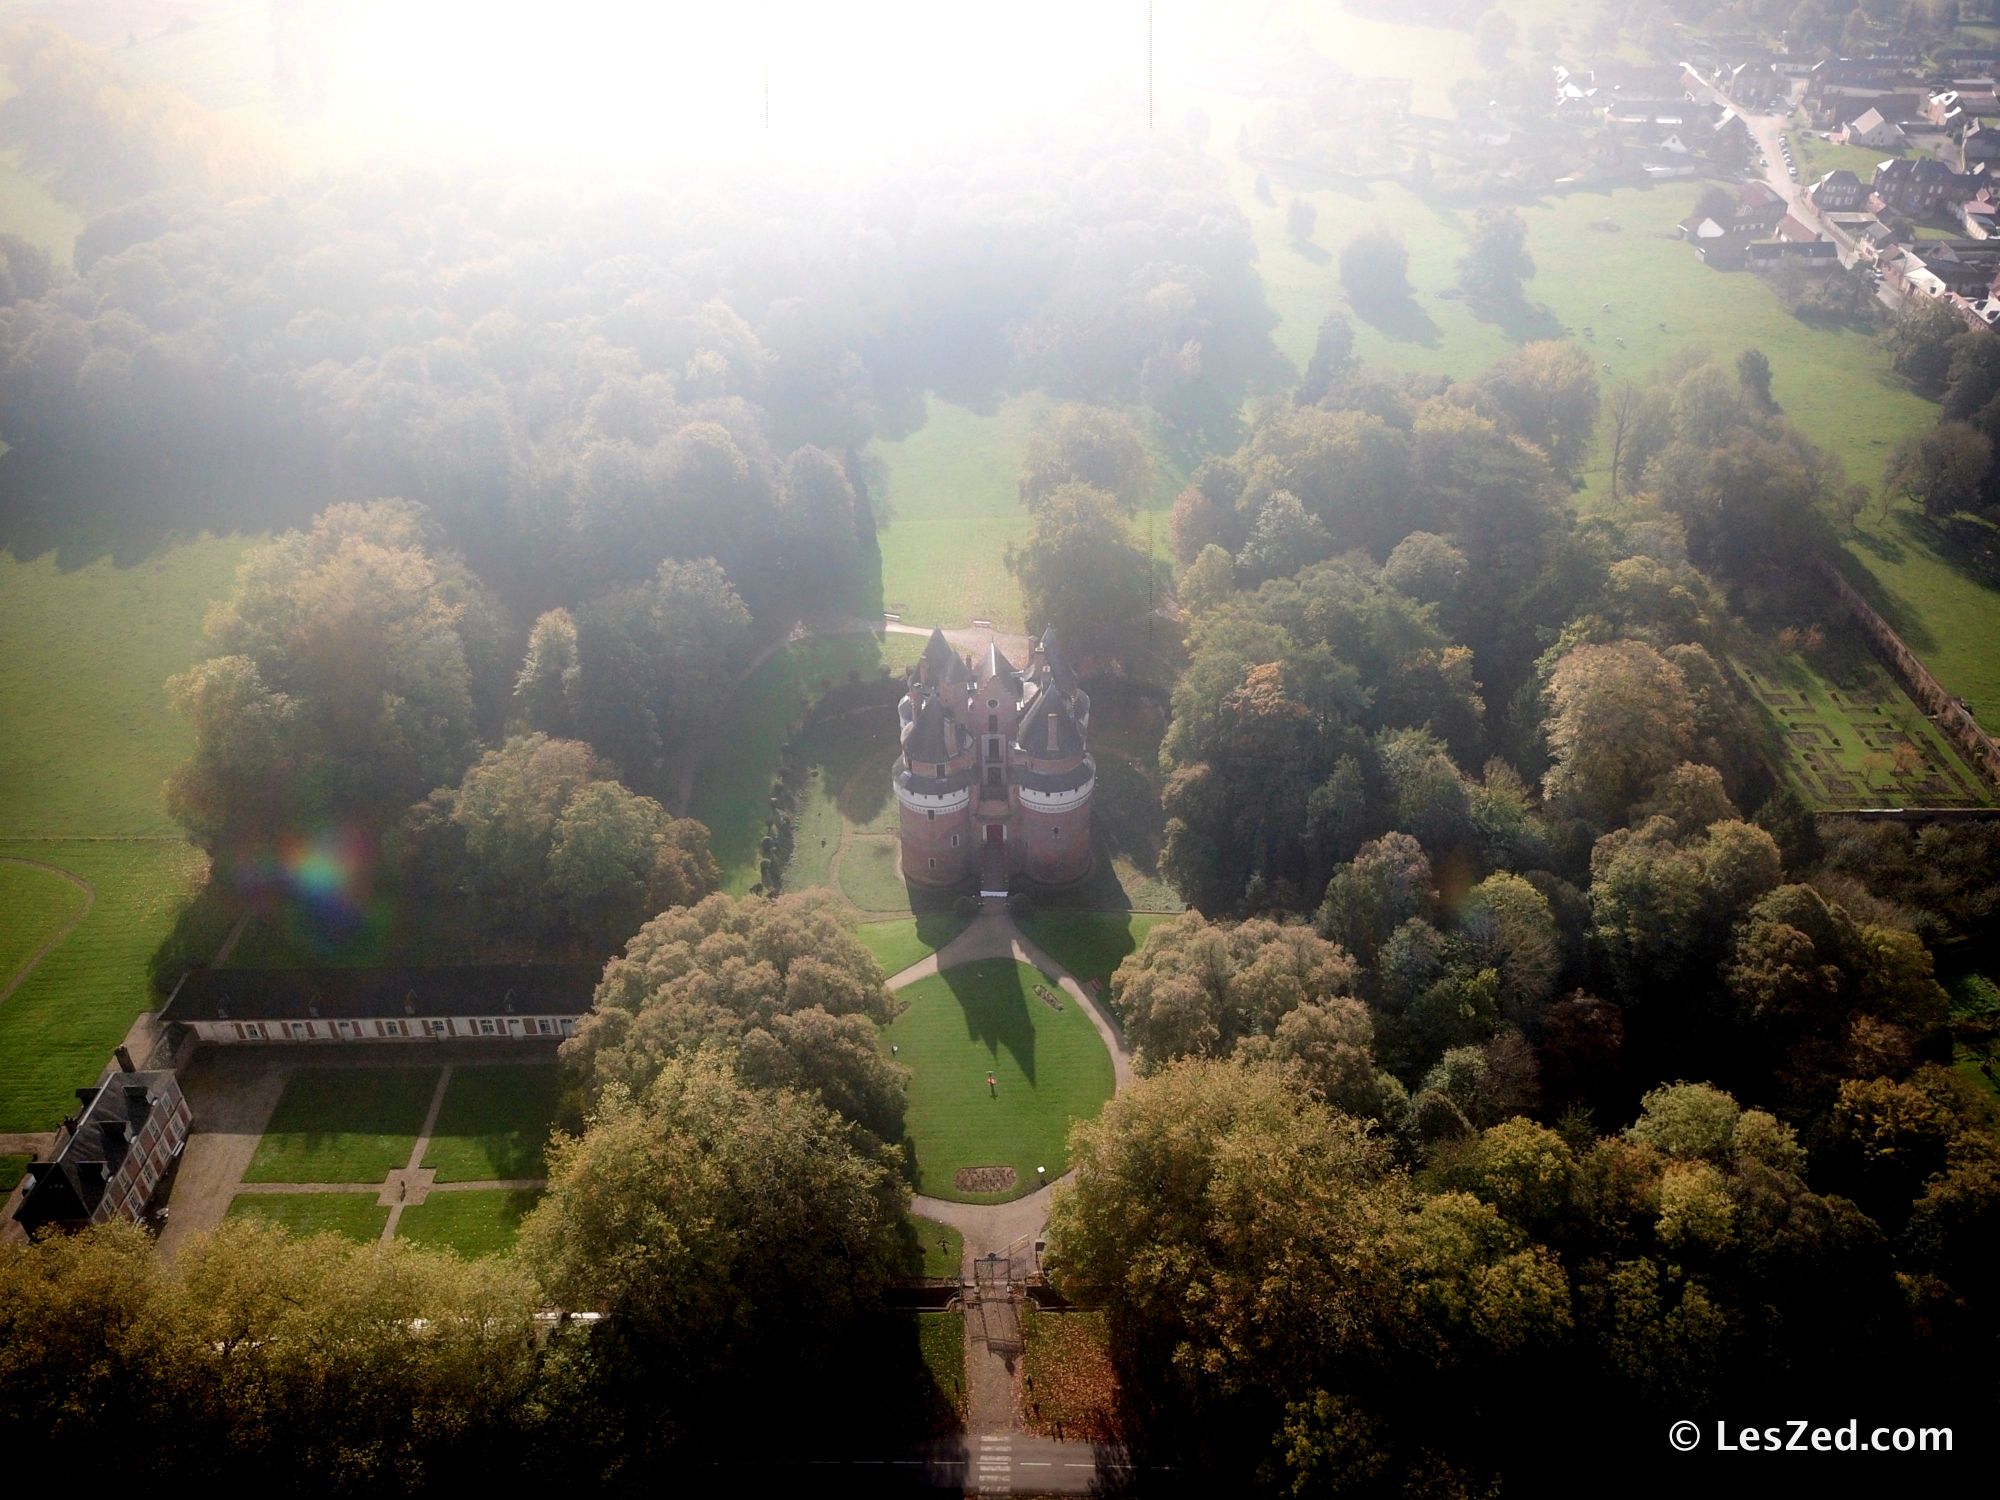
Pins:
x: 927, y: 739
x: 1059, y: 667
x: 363, y: 994
x: 938, y: 653
x: 1048, y: 707
x: 69, y: 1188
x: 996, y: 665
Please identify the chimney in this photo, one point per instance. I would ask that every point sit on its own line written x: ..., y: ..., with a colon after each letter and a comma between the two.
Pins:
x: 124, y: 1059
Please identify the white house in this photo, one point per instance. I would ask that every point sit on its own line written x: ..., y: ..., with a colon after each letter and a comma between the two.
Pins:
x: 488, y: 1002
x: 1871, y: 130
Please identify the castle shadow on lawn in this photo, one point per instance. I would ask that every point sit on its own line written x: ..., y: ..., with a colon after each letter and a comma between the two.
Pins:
x: 1049, y: 1068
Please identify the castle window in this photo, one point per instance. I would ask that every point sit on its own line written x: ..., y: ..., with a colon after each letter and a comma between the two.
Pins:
x: 931, y: 814
x: 1055, y: 833
x: 993, y: 723
x: 933, y: 864
x: 954, y: 841
x: 992, y: 702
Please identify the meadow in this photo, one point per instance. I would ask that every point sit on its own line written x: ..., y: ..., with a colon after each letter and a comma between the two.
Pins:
x: 58, y: 1028
x: 1049, y: 1068
x: 39, y: 904
x: 1089, y: 944
x: 901, y: 941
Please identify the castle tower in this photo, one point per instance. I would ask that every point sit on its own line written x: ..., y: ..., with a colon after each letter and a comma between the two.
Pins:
x: 995, y: 774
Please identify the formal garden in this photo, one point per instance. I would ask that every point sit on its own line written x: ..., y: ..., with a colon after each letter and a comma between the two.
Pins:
x: 337, y: 1153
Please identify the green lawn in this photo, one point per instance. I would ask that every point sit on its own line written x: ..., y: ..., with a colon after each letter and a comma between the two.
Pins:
x: 846, y: 786
x: 1943, y: 613
x: 493, y: 1123
x: 355, y: 1215
x: 1089, y: 944
x: 90, y: 736
x: 732, y: 793
x: 942, y: 1247
x: 57, y: 1030
x: 1816, y: 157
x: 11, y: 1169
x: 482, y: 1221
x: 39, y: 903
x: 1049, y: 1068
x: 871, y: 874
x: 343, y: 1125
x: 901, y: 941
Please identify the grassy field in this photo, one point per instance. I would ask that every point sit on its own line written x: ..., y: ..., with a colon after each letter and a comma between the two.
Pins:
x: 1836, y: 724
x: 12, y: 1168
x: 942, y: 1246
x: 1089, y: 944
x: 848, y: 761
x: 343, y: 1125
x: 493, y: 1123
x: 39, y: 903
x: 901, y: 941
x: 1049, y: 1069
x: 1943, y: 613
x: 731, y: 793
x: 871, y: 874
x: 1816, y: 157
x: 57, y: 1030
x: 90, y: 737
x: 483, y: 1221
x: 355, y: 1215
x: 1068, y: 1388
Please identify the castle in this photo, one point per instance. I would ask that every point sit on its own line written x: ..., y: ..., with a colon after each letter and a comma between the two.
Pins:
x: 994, y: 777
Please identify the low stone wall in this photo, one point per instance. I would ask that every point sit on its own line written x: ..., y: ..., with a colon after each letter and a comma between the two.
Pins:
x: 1950, y: 716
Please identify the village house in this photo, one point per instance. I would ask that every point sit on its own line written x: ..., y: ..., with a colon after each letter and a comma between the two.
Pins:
x: 1921, y: 188
x: 109, y: 1157
x: 1871, y: 130
x: 483, y: 1002
x: 1840, y: 191
x: 995, y: 776
x: 1957, y: 108
x: 1980, y: 215
x: 1839, y: 105
x: 1979, y: 146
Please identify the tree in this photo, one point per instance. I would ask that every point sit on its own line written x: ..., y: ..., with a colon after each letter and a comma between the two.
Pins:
x: 1374, y: 269
x: 1492, y: 35
x: 718, y: 974
x: 1300, y: 216
x: 1332, y: 358
x: 1079, y: 572
x: 1496, y: 260
x: 1386, y: 884
x: 1283, y: 540
x: 1088, y: 445
x: 1944, y: 469
x: 354, y: 663
x: 1753, y: 373
x: 545, y: 693
x: 703, y: 1215
x: 1619, y: 718
x: 1547, y: 394
x: 1921, y: 342
x: 1208, y: 581
x: 1425, y: 566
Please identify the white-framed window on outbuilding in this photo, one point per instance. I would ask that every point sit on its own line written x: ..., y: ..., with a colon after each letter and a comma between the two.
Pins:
x: 486, y: 1026
x: 439, y: 1027
x: 544, y: 1026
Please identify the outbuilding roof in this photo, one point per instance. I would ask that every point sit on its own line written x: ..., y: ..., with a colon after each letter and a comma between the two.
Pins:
x: 365, y: 994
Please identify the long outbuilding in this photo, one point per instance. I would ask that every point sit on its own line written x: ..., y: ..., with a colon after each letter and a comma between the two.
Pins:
x: 482, y: 1001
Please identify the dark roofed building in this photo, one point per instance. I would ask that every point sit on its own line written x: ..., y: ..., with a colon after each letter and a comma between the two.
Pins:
x: 110, y: 1155
x: 492, y: 1001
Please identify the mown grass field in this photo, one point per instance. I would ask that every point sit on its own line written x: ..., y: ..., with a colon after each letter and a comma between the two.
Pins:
x: 732, y: 790
x: 90, y: 736
x: 477, y: 1222
x: 343, y: 1125
x: 901, y: 941
x: 493, y: 1123
x: 941, y: 1247
x: 846, y: 788
x: 1815, y: 156
x: 355, y: 1215
x: 1089, y: 944
x: 1950, y: 618
x: 12, y: 1169
x: 38, y: 903
x: 1049, y: 1069
x: 57, y: 1030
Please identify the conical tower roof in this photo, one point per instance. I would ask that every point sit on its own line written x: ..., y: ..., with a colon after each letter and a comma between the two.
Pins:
x: 1049, y: 730
x: 928, y: 738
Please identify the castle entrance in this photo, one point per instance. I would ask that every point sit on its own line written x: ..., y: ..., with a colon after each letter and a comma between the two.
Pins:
x: 996, y: 834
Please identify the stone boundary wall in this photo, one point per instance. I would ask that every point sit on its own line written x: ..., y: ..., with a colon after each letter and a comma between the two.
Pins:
x: 1950, y: 716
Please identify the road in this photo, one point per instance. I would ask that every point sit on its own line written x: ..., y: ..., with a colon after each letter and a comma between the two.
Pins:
x: 1014, y: 1464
